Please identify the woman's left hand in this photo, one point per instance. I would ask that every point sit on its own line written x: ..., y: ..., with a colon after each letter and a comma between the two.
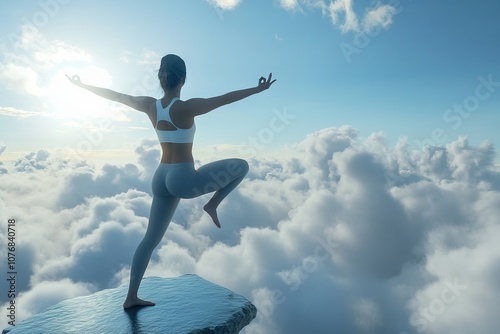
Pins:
x: 265, y: 84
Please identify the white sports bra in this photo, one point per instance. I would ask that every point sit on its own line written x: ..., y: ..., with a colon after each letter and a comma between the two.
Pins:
x: 178, y: 135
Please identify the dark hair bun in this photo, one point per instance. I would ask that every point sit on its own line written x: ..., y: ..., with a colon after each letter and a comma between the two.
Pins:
x: 172, y: 71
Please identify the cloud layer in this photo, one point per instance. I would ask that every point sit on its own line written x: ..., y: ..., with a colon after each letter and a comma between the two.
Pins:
x: 347, y: 235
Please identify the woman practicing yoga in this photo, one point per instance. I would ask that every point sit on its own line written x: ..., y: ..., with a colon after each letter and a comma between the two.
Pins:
x: 176, y: 177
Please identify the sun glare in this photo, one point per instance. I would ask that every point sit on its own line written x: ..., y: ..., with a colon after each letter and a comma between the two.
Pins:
x: 70, y: 101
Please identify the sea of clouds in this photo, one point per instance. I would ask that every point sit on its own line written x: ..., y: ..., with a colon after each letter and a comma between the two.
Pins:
x: 347, y: 235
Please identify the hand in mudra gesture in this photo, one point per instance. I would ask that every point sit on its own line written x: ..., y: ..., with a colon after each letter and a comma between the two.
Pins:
x: 265, y: 84
x: 75, y: 79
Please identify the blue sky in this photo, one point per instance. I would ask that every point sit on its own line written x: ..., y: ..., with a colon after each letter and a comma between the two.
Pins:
x: 343, y: 219
x: 399, y: 75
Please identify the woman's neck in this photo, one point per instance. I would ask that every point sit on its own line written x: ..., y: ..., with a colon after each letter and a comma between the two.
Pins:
x: 176, y: 92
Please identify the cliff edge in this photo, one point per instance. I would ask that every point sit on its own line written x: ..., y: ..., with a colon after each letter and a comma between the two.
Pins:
x: 184, y: 305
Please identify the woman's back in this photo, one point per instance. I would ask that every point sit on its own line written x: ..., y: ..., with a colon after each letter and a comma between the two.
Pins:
x: 175, y: 130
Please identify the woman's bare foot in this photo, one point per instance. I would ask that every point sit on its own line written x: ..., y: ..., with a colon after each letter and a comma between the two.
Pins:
x: 136, y: 302
x: 212, y: 211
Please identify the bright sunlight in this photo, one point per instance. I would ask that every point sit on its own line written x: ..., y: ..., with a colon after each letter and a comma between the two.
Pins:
x: 70, y: 101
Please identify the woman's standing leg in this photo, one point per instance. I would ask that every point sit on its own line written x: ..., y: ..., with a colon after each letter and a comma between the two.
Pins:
x: 162, y: 210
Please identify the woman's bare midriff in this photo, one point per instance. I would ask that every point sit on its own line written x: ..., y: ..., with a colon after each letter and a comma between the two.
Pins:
x: 173, y: 153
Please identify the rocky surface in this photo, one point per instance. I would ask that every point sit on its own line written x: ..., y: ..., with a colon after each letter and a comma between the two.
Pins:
x: 185, y: 304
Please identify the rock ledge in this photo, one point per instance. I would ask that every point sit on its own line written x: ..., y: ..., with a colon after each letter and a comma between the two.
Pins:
x: 184, y: 305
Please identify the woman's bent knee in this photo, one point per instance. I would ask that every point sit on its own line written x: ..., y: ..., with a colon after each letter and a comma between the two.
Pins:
x: 237, y: 167
x: 233, y: 169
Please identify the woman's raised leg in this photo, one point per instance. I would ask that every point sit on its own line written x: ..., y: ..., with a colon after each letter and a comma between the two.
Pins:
x: 238, y: 168
x: 223, y: 175
x: 162, y: 210
x: 220, y: 176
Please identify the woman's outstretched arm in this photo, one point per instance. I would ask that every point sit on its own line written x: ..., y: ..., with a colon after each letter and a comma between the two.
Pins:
x: 141, y: 103
x: 200, y: 106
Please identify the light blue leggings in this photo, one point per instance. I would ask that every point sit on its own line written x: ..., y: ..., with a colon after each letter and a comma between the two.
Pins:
x: 171, y: 182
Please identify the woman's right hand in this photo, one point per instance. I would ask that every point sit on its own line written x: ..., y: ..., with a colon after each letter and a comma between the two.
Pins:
x: 265, y: 84
x: 75, y: 80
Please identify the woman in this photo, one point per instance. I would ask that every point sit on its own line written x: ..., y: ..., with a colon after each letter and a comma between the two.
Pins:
x: 176, y: 177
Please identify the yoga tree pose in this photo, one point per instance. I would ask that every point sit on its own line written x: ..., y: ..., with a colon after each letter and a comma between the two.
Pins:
x: 176, y: 177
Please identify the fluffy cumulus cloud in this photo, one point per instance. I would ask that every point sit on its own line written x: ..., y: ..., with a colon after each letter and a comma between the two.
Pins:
x: 347, y: 235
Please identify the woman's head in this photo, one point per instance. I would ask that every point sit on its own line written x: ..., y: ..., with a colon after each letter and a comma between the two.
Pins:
x: 172, y: 72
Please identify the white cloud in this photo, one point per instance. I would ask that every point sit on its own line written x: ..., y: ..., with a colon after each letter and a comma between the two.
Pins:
x: 299, y: 5
x: 43, y: 53
x: 3, y: 170
x: 149, y: 57
x: 343, y: 14
x: 37, y: 67
x: 344, y: 8
x: 19, y: 113
x: 457, y: 293
x: 25, y: 69
x: 380, y: 16
x: 146, y: 57
x: 21, y: 79
x: 349, y: 235
x: 289, y: 4
x: 225, y: 4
